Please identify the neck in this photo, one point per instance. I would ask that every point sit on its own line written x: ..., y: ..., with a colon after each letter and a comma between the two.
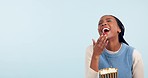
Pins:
x: 113, y: 45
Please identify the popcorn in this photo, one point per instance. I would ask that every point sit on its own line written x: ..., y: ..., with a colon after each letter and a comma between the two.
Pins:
x: 108, y: 73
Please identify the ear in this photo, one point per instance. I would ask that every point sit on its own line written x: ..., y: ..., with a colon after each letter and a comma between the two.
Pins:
x: 119, y: 30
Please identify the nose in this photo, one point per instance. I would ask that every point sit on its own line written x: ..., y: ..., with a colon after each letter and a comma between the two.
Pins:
x: 103, y: 24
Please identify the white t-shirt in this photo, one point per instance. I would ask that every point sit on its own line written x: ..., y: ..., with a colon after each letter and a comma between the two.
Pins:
x: 138, y: 68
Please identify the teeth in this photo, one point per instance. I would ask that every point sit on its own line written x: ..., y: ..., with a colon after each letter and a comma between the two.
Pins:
x: 105, y: 29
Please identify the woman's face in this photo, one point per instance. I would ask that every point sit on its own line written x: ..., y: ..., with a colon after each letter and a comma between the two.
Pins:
x: 108, y: 25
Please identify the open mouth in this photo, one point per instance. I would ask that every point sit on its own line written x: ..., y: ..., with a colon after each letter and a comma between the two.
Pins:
x: 105, y: 30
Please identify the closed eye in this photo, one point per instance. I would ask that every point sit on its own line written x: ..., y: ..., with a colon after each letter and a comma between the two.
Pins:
x: 109, y: 20
x: 100, y: 22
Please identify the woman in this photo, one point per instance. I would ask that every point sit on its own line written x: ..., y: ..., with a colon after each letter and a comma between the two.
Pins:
x: 111, y: 50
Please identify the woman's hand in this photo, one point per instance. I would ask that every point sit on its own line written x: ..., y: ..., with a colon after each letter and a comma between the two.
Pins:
x: 99, y: 46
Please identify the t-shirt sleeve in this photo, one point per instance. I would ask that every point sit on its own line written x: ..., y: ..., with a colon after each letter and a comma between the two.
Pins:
x: 138, y: 67
x: 89, y: 73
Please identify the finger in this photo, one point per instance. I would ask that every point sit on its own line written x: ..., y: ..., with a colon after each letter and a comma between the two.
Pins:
x: 106, y: 43
x: 94, y: 42
x: 100, y: 38
x: 102, y: 41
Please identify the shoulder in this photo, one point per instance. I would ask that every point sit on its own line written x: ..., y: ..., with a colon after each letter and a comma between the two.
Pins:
x: 136, y: 55
x: 90, y: 47
x: 89, y: 51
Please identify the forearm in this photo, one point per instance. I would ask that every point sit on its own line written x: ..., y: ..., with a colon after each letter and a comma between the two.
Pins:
x: 94, y: 63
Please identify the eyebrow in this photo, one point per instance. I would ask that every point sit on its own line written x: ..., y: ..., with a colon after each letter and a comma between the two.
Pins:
x: 100, y: 22
x: 105, y: 19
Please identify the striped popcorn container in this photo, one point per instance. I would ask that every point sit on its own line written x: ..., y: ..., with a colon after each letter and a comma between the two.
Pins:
x: 108, y: 73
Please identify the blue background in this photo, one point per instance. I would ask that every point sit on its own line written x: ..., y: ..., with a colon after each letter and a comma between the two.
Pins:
x: 48, y: 38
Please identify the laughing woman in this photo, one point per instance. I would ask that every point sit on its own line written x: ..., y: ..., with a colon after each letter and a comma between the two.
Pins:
x: 112, y: 51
